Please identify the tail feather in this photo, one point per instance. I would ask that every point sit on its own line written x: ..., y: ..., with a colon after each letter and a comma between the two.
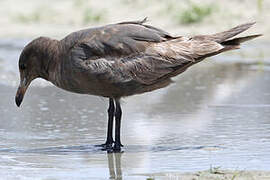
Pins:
x: 226, y: 39
x: 223, y: 36
x: 238, y: 41
x: 209, y: 45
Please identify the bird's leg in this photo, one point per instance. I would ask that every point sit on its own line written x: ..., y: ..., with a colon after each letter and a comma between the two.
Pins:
x: 111, y: 111
x: 118, y: 114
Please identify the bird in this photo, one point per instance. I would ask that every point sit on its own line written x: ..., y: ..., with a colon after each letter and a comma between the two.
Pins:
x: 119, y: 60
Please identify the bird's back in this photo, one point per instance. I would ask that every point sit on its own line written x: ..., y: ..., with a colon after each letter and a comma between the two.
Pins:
x: 130, y: 58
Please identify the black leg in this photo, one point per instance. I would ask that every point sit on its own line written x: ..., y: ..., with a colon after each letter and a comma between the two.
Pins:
x: 118, y: 115
x: 111, y: 111
x: 109, y: 142
x: 110, y: 121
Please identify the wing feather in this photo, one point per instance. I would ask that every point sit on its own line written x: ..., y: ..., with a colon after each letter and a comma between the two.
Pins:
x: 132, y: 51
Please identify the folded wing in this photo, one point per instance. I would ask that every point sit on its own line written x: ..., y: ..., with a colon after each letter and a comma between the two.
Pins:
x: 132, y: 51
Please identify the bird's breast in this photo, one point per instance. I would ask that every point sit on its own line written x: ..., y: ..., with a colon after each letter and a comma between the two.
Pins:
x: 77, y: 81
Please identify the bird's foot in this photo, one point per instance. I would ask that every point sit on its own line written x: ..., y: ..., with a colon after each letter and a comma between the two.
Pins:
x: 117, y: 147
x: 111, y: 146
x: 108, y: 145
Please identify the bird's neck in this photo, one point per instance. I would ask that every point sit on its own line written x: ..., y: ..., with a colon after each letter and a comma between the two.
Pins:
x: 51, y: 59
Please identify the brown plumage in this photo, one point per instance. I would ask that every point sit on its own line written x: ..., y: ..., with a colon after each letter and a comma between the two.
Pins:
x: 119, y: 60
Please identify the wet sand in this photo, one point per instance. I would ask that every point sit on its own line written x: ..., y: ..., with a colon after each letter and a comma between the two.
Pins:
x: 214, y: 175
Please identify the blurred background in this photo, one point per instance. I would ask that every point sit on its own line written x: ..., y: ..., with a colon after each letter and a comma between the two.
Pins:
x: 58, y: 17
x: 216, y: 114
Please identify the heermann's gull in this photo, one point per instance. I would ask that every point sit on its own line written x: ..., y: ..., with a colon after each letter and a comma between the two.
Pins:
x: 118, y: 60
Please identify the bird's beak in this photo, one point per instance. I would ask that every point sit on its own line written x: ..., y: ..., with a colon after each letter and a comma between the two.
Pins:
x: 21, y: 91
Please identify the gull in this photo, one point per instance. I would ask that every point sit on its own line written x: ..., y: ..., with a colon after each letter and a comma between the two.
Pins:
x: 119, y: 60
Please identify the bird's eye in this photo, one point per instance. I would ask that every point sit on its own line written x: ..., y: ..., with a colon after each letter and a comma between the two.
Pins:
x: 22, y: 66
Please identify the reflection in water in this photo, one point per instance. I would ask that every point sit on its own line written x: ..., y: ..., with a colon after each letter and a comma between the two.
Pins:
x: 114, y: 164
x: 184, y: 105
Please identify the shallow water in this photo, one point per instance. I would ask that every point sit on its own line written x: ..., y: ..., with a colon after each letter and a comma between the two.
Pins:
x: 215, y: 115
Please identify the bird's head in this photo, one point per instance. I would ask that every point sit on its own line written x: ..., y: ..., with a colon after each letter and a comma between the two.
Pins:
x: 33, y: 63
